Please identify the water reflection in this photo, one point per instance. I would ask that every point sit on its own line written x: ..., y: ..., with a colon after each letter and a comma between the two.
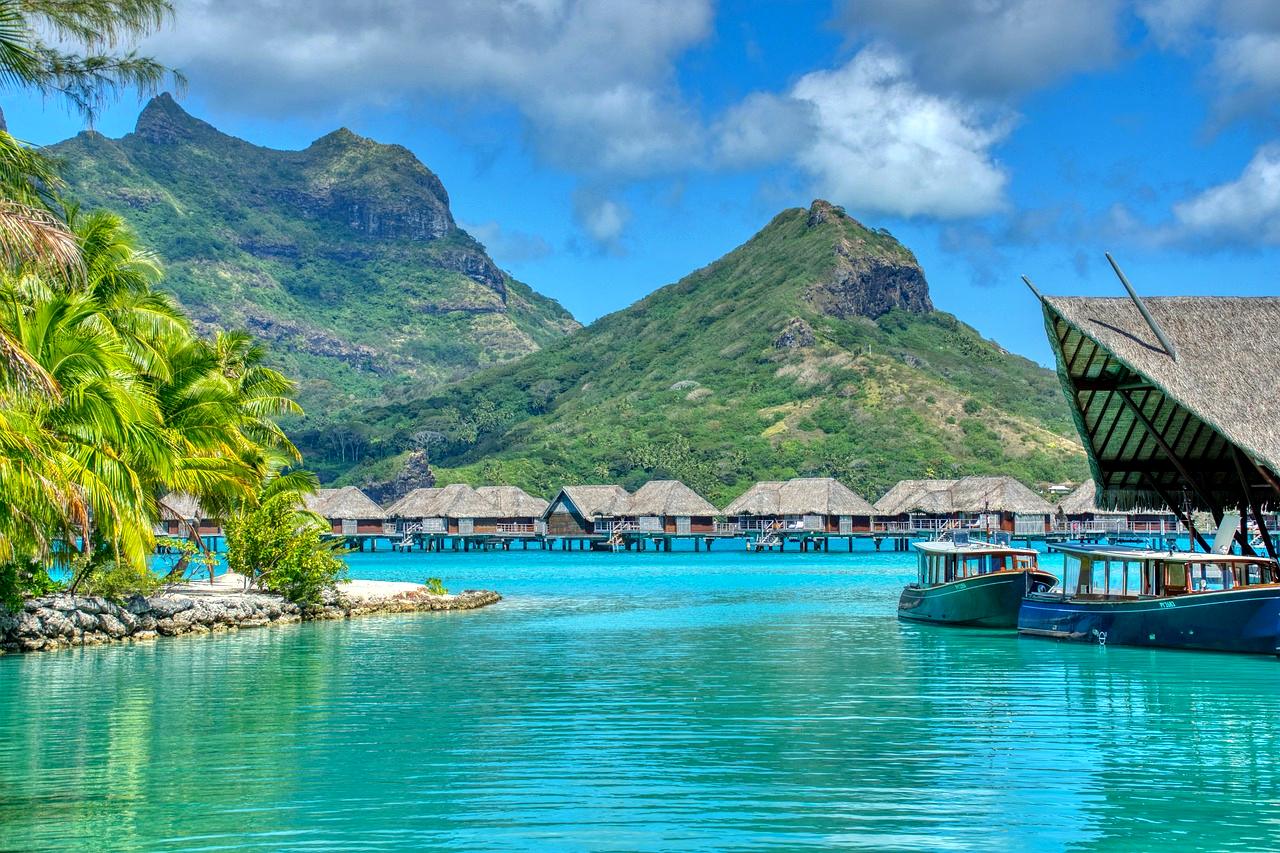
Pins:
x: 639, y: 704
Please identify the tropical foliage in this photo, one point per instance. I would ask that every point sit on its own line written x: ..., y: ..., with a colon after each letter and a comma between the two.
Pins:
x: 108, y: 397
x: 281, y: 548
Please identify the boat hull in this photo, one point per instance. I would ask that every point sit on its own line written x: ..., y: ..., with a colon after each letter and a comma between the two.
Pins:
x: 990, y: 601
x: 1241, y: 620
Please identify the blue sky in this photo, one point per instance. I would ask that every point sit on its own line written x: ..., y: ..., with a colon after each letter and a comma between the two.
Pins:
x: 604, y: 149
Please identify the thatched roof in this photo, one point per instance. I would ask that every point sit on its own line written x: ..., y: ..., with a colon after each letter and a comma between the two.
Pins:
x: 932, y: 496
x: 461, y: 501
x: 417, y: 504
x: 668, y: 497
x: 512, y: 502
x: 800, y: 496
x: 177, y: 506
x: 969, y: 494
x: 1135, y: 404
x: 1082, y: 502
x: 592, y: 501
x: 346, y: 502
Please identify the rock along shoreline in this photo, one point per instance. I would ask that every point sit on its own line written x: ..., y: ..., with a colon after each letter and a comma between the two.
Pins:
x: 63, y: 621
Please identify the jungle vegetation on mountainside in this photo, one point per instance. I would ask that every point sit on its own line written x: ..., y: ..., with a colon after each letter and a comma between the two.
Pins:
x: 750, y: 368
x: 108, y: 398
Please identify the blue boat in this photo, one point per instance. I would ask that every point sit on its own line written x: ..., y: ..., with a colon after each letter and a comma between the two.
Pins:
x: 1181, y: 600
x: 971, y: 583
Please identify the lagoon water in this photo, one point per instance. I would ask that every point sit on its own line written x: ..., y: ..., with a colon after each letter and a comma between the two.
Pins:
x: 639, y: 702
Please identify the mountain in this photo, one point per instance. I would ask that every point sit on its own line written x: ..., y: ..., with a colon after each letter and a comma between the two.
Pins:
x: 812, y: 349
x: 344, y: 256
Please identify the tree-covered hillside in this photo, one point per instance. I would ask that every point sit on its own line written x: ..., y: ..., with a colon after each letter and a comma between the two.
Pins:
x: 344, y: 256
x: 813, y: 349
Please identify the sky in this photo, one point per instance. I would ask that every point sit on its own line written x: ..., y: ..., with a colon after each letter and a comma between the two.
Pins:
x: 602, y: 149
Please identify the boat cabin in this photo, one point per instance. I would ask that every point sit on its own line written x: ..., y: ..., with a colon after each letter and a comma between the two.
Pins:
x: 1118, y: 573
x: 945, y: 562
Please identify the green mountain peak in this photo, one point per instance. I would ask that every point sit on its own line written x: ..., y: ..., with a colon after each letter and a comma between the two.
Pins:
x: 344, y: 255
x: 813, y: 349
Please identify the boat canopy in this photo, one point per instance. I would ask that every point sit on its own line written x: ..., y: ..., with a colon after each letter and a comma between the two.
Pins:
x: 1117, y: 573
x: 939, y: 565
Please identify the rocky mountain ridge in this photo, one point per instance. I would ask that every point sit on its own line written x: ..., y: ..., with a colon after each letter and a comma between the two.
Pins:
x: 344, y: 255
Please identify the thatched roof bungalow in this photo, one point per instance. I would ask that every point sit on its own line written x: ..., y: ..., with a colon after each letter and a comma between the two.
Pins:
x: 181, y: 513
x: 819, y: 504
x: 1174, y: 398
x: 462, y: 510
x: 348, y: 510
x: 1079, y: 512
x: 998, y: 502
x: 585, y: 510
x: 669, y: 506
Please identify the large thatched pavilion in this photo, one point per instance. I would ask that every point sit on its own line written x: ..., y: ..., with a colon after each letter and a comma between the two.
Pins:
x: 1177, y: 408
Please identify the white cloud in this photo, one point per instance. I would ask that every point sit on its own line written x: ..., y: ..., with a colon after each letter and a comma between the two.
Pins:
x: 884, y: 145
x: 1244, y: 212
x: 594, y: 79
x: 602, y: 218
x: 507, y: 245
x: 991, y: 47
x: 1243, y: 38
x: 763, y: 128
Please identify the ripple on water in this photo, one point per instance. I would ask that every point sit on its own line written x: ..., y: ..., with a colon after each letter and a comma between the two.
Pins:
x: 638, y: 702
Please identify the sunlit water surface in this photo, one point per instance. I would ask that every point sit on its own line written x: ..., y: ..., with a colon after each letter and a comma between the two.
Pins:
x: 639, y: 702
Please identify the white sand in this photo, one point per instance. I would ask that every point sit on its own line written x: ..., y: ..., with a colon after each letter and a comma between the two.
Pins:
x: 356, y: 590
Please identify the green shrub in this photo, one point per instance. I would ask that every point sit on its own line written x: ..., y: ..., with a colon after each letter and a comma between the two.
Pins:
x: 22, y: 580
x: 281, y: 549
x: 436, y: 587
x: 117, y: 581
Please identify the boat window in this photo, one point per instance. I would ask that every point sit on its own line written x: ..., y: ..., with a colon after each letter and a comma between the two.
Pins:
x: 1133, y: 578
x: 1175, y: 578
x: 922, y: 568
x: 1070, y: 574
x: 1098, y: 577
x: 1209, y: 577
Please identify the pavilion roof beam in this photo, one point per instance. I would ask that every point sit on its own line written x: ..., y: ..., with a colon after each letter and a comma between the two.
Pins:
x: 1141, y: 417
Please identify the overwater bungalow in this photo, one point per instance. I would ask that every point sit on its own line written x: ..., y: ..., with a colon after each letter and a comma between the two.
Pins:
x: 1079, y: 514
x: 669, y: 506
x: 515, y: 511
x: 586, y: 510
x: 416, y: 509
x: 181, y: 515
x: 970, y: 503
x: 805, y: 504
x: 349, y: 511
x: 460, y: 510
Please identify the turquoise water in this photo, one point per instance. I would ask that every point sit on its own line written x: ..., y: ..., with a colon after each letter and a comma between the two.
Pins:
x: 639, y: 702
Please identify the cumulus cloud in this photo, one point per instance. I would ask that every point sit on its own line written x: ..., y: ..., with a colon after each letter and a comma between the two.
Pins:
x: 1244, y: 212
x: 603, y: 219
x: 883, y: 144
x: 1243, y: 39
x: 508, y: 245
x: 991, y: 47
x: 594, y: 79
x: 764, y: 128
